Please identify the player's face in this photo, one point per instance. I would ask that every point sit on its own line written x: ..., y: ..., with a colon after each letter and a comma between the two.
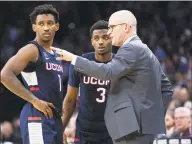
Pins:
x: 101, y: 41
x: 45, y: 27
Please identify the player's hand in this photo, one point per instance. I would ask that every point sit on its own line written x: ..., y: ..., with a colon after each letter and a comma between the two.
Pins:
x: 44, y: 107
x: 64, y: 55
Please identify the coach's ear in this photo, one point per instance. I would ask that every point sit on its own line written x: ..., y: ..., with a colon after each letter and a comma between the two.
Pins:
x: 57, y: 25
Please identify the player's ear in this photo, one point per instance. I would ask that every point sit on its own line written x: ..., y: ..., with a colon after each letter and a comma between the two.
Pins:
x: 34, y: 27
x: 57, y: 25
x: 92, y: 41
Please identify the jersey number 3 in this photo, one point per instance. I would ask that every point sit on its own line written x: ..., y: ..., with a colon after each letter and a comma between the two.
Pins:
x: 102, y: 94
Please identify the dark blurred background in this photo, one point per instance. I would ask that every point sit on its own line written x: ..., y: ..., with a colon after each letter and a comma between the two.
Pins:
x: 166, y: 27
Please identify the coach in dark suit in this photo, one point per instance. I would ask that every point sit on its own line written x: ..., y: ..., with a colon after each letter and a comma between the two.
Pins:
x: 139, y: 91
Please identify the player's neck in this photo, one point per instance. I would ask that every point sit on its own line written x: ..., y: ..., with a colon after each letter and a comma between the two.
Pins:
x: 45, y: 45
x: 103, y: 58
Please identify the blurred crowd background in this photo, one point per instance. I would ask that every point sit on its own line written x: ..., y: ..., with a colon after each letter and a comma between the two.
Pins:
x: 166, y: 27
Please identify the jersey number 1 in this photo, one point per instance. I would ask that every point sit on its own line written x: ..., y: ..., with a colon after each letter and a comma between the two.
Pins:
x: 103, y: 92
x: 59, y: 82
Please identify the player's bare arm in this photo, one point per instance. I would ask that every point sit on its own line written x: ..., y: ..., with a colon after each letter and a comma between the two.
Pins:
x: 69, y: 104
x: 13, y: 67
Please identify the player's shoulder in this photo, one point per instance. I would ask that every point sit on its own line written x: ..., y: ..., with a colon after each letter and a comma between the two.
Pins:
x: 28, y: 50
x: 89, y: 55
x: 30, y: 47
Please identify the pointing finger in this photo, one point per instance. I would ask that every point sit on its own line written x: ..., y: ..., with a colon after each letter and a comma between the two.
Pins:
x: 56, y: 49
x: 60, y: 52
x: 59, y: 58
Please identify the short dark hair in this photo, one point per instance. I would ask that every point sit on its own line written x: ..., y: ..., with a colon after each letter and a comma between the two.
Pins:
x: 101, y: 24
x: 44, y: 9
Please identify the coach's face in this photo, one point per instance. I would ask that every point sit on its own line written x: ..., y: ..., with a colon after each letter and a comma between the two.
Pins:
x: 101, y: 41
x: 116, y: 31
x: 45, y: 27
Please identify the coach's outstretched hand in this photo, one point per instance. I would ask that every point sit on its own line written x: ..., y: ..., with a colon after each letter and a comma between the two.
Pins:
x: 64, y: 55
x: 44, y: 107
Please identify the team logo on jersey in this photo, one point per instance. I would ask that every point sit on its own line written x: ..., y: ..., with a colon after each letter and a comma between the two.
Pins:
x: 54, y: 67
x: 94, y: 81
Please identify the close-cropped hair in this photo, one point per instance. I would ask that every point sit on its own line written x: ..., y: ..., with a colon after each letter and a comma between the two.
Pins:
x: 44, y: 9
x: 101, y: 24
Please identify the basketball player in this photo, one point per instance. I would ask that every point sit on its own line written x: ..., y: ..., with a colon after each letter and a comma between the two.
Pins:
x: 90, y: 125
x: 43, y: 79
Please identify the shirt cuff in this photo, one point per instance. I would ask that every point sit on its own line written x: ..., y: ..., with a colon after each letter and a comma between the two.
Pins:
x: 74, y: 58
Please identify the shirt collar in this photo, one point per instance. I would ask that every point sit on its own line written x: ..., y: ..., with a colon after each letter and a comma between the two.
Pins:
x: 129, y: 39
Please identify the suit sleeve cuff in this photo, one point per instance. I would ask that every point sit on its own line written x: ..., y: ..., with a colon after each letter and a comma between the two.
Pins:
x: 74, y: 58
